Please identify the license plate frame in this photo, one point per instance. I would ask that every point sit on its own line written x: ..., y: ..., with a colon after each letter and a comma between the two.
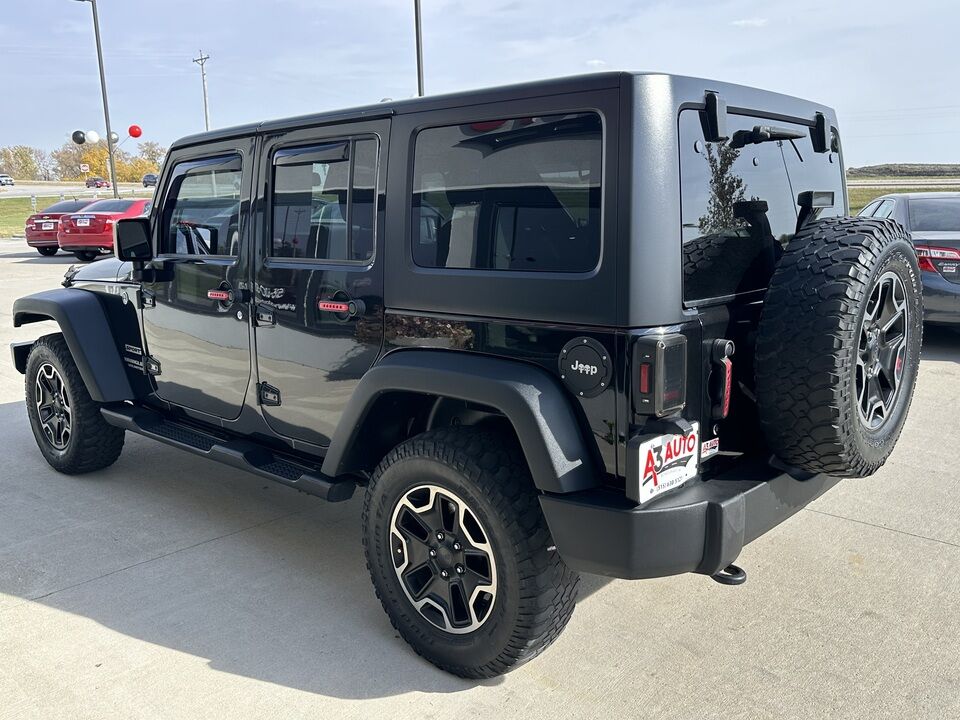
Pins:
x: 83, y: 222
x: 46, y: 226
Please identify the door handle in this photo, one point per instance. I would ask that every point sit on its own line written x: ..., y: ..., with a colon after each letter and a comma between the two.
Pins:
x: 346, y: 309
x: 224, y: 296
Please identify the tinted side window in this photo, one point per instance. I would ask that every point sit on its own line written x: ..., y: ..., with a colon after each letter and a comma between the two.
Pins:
x: 324, y: 201
x: 870, y: 209
x: 201, y: 211
x: 519, y: 194
x: 737, y: 210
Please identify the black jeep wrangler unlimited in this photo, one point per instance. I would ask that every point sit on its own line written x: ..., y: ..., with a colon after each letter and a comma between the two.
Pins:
x: 614, y: 324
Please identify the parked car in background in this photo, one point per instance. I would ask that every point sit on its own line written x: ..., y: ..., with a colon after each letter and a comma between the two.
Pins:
x: 6, y: 180
x: 88, y: 232
x: 150, y: 180
x: 933, y: 219
x: 97, y: 182
x: 41, y: 228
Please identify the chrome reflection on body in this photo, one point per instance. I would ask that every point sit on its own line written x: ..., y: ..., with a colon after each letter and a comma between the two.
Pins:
x: 53, y: 406
x: 881, y: 350
x: 443, y: 559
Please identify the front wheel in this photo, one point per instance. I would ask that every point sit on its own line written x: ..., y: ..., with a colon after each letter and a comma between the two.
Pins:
x: 85, y: 255
x: 66, y: 422
x: 460, y: 554
x: 47, y: 251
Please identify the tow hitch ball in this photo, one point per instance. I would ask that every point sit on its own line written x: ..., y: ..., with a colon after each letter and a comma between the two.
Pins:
x: 731, y: 575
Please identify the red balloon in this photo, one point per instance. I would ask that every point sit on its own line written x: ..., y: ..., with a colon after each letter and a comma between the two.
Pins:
x: 135, y: 131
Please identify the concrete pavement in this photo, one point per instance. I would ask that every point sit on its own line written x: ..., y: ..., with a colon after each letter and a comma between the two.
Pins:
x: 169, y: 586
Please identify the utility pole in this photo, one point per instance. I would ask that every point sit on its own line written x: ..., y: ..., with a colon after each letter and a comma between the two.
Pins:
x: 103, y: 91
x: 201, y: 60
x: 416, y: 19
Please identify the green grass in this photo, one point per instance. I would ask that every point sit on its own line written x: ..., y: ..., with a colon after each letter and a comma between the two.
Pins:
x: 861, y: 196
x: 15, y: 210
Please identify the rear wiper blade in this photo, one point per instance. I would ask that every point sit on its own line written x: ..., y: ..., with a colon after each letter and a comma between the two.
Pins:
x: 762, y: 134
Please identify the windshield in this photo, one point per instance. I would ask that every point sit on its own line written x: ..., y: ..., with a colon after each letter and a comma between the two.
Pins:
x: 935, y: 214
x: 109, y: 206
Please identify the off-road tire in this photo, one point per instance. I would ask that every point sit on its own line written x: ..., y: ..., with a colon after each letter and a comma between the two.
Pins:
x: 47, y: 251
x: 807, y: 345
x: 536, y: 591
x: 93, y: 444
x: 86, y: 255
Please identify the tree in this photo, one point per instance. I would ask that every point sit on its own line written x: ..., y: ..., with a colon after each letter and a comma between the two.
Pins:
x: 726, y: 189
x: 18, y: 161
x: 44, y: 163
x: 151, y: 152
x: 66, y: 161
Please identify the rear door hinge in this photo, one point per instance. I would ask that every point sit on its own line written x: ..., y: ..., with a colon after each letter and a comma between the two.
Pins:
x: 147, y: 299
x: 151, y: 366
x: 265, y: 316
x: 268, y: 394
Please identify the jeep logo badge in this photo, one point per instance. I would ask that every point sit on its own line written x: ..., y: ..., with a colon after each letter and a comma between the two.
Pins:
x: 582, y: 368
x: 585, y: 367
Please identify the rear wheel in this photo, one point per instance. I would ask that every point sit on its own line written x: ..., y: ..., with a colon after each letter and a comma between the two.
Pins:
x: 838, y: 346
x: 66, y: 422
x: 47, y: 251
x: 85, y: 255
x: 460, y: 554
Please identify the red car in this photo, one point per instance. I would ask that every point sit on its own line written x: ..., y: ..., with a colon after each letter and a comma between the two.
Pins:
x: 41, y: 228
x: 86, y: 233
x: 97, y: 182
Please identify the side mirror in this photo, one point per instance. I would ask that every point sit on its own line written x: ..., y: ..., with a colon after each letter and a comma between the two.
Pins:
x: 131, y: 239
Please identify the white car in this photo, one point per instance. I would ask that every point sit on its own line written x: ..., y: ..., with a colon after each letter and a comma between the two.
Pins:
x: 6, y: 180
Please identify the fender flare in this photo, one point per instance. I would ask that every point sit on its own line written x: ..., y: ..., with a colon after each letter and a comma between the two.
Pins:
x: 532, y: 400
x: 83, y: 323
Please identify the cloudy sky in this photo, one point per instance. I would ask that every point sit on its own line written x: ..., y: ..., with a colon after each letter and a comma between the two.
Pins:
x: 889, y: 68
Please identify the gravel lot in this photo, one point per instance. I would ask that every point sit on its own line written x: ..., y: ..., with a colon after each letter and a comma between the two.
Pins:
x: 169, y: 586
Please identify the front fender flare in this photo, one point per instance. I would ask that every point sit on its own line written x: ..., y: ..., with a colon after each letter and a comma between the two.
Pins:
x: 85, y: 327
x: 532, y: 400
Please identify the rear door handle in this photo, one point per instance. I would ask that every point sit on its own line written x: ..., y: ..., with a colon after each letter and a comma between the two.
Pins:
x: 224, y: 296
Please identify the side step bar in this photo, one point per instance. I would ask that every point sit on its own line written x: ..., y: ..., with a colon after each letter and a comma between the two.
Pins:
x: 241, y: 454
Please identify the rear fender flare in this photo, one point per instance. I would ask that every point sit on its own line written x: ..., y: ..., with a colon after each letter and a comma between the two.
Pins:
x: 85, y: 327
x: 538, y: 408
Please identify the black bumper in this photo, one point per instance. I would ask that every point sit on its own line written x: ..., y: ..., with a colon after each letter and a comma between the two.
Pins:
x: 700, y: 528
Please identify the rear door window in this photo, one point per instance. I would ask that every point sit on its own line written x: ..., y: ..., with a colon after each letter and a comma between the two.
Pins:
x: 886, y: 207
x: 870, y: 209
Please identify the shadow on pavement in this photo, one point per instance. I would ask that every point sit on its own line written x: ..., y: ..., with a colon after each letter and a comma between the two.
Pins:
x: 171, y: 549
x: 941, y: 343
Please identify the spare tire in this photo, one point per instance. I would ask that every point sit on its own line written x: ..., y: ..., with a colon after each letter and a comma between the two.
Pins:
x: 838, y: 345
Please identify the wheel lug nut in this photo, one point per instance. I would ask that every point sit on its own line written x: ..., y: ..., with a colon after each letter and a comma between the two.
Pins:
x: 456, y: 546
x: 459, y: 569
x: 440, y: 536
x: 433, y: 553
x: 444, y: 574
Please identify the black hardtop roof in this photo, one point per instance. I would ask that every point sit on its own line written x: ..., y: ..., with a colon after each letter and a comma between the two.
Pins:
x: 553, y: 86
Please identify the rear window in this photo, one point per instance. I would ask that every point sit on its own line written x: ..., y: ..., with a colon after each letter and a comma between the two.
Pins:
x: 518, y: 194
x: 109, y: 206
x: 935, y: 214
x: 66, y: 206
x: 739, y: 204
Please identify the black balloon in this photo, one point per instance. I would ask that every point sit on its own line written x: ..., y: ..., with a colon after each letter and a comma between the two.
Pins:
x: 79, y: 137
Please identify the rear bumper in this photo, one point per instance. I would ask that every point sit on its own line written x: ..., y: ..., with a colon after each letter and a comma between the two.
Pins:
x: 941, y: 299
x: 77, y: 241
x: 700, y: 528
x: 42, y: 239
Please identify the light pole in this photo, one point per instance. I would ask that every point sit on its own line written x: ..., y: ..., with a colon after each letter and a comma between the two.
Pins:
x: 416, y: 20
x: 103, y: 91
x: 201, y: 60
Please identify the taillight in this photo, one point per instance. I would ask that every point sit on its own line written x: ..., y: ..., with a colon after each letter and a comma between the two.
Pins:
x: 29, y: 221
x: 926, y: 254
x: 660, y: 374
